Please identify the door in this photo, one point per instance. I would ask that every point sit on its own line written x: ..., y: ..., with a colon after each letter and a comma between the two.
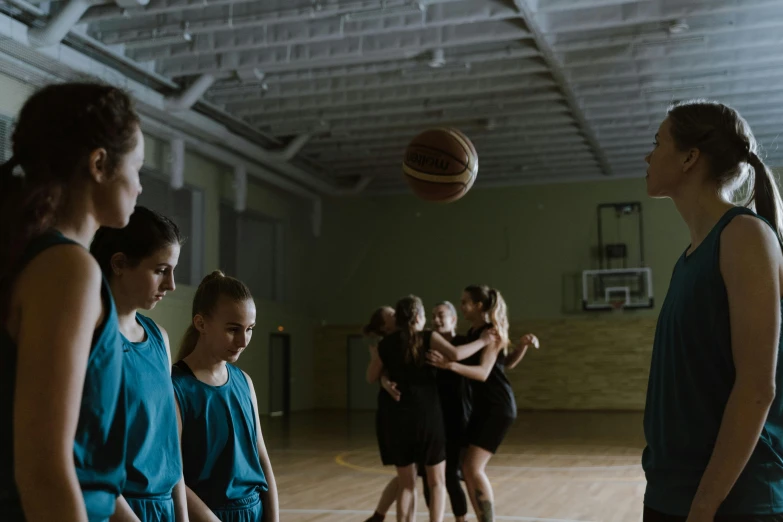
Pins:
x: 361, y: 394
x: 279, y: 374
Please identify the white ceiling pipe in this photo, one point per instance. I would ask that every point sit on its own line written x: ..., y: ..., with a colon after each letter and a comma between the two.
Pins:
x: 187, y: 98
x: 152, y: 103
x: 62, y: 23
x: 295, y: 146
x: 56, y: 29
x: 163, y: 131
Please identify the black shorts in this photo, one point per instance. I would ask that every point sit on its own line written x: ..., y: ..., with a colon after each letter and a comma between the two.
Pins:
x: 650, y: 515
x: 487, y: 429
x: 423, y: 444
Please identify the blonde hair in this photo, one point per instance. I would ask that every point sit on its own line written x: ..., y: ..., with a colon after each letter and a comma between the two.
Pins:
x: 725, y: 138
x: 494, y: 306
x: 209, y: 292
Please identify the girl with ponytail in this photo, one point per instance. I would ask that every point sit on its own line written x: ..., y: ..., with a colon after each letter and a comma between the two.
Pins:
x: 493, y: 408
x: 77, y: 151
x: 714, y: 414
x: 227, y: 471
x: 139, y: 262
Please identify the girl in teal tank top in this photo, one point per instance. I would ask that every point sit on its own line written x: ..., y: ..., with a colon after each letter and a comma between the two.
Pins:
x: 139, y: 262
x: 62, y: 398
x: 226, y: 465
x: 714, y: 415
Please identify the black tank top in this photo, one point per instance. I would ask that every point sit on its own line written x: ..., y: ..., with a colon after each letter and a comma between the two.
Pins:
x: 416, y: 381
x: 494, y: 395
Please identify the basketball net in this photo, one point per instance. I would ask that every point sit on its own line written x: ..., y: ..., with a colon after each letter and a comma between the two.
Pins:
x: 617, y: 306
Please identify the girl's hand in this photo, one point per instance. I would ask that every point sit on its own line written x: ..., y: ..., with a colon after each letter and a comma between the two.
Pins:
x: 529, y: 340
x: 437, y: 360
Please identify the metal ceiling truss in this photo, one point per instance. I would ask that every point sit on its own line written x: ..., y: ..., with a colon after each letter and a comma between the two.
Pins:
x: 548, y: 90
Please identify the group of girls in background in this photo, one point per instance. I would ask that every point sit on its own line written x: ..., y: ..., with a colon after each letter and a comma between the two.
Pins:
x: 96, y: 423
x: 445, y: 403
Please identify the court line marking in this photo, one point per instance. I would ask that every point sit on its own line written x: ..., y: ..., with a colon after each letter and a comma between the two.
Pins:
x: 360, y: 512
x: 340, y: 461
x: 569, y: 468
x: 635, y: 458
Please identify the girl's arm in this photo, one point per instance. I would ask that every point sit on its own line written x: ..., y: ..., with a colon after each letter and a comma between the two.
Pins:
x: 197, y: 510
x: 515, y: 357
x: 375, y: 367
x: 750, y: 262
x: 270, y: 500
x: 458, y: 353
x: 476, y: 373
x: 54, y: 339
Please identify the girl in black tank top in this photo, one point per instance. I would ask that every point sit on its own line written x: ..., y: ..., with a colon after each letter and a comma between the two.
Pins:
x: 493, y: 405
x: 381, y: 324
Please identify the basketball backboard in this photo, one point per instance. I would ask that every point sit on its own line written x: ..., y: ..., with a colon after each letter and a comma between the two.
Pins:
x: 609, y: 289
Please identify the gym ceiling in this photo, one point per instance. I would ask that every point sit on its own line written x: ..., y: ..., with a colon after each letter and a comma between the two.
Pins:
x: 331, y: 91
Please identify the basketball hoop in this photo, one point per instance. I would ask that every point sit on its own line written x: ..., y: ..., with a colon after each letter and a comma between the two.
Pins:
x: 617, y: 306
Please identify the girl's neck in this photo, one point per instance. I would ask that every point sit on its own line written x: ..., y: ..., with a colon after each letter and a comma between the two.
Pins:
x: 129, y: 326
x: 478, y: 323
x: 701, y: 210
x: 126, y: 316
x: 77, y: 224
x: 207, y: 368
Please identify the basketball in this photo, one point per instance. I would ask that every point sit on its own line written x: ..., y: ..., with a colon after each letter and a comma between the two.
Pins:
x: 440, y: 165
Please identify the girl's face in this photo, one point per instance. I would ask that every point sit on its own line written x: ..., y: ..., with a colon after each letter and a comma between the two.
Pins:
x: 421, y: 320
x: 146, y: 284
x: 443, y: 320
x: 116, y: 192
x: 470, y: 310
x: 668, y: 167
x: 389, y: 320
x: 228, y: 330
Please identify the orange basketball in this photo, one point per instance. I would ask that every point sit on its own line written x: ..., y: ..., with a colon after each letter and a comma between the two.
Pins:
x: 440, y: 165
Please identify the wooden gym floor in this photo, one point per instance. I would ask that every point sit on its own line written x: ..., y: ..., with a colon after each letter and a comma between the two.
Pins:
x: 552, y: 467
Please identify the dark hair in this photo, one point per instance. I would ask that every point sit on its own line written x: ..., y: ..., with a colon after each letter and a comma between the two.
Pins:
x: 448, y: 305
x: 493, y: 304
x: 57, y: 130
x: 212, y: 288
x: 407, y: 312
x: 376, y: 324
x: 725, y: 139
x: 147, y: 232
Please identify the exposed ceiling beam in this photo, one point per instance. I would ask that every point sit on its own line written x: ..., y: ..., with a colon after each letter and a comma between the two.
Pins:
x: 641, y: 13
x: 512, y: 102
x: 410, y: 94
x: 695, y: 64
x: 557, y: 73
x: 260, y: 34
x: 555, y: 113
x: 549, y: 6
x: 351, y: 50
x: 423, y: 76
x: 275, y: 9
